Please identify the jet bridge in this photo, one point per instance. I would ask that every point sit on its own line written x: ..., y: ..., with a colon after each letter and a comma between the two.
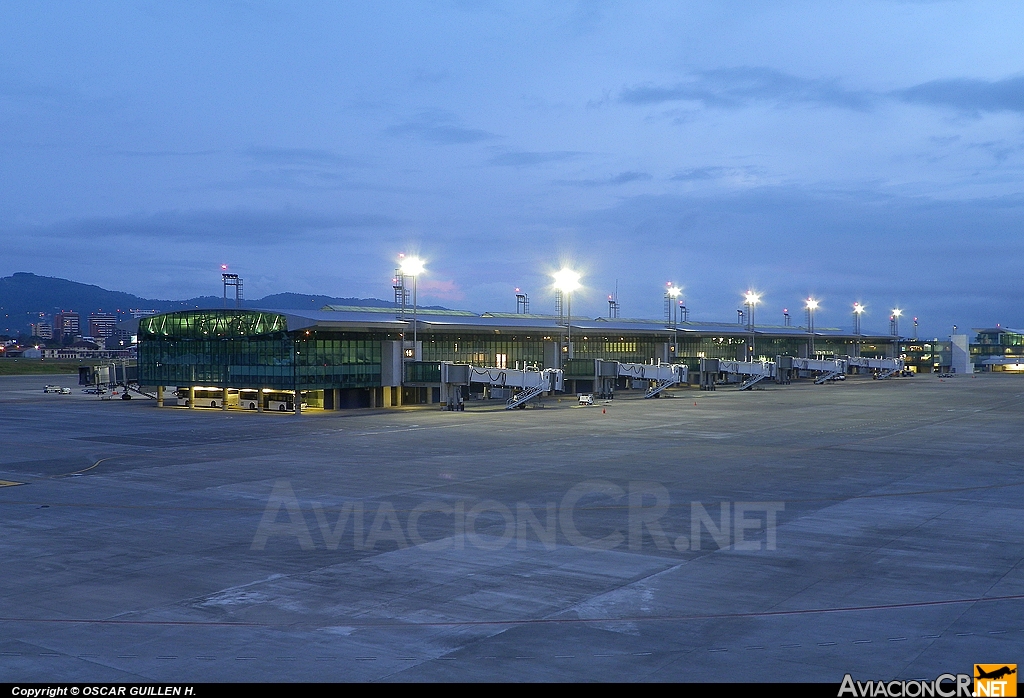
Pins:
x: 885, y: 367
x: 828, y: 368
x: 660, y: 376
x: 753, y: 372
x: 525, y: 383
x: 606, y: 372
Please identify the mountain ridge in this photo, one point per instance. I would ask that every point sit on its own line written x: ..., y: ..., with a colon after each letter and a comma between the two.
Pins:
x: 24, y: 295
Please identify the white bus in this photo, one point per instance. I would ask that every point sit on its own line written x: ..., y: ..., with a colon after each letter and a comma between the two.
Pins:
x: 246, y: 398
x: 209, y: 397
x: 282, y: 400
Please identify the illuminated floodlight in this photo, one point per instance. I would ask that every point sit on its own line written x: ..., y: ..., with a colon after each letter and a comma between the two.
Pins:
x: 566, y: 280
x: 858, y: 308
x: 674, y: 291
x: 896, y: 312
x: 751, y: 298
x: 411, y: 266
x: 811, y: 304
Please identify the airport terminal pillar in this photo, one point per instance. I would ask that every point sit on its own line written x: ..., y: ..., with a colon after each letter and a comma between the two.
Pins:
x: 259, y: 399
x: 224, y: 399
x: 191, y: 397
x: 373, y: 397
x: 298, y: 402
x: 159, y: 396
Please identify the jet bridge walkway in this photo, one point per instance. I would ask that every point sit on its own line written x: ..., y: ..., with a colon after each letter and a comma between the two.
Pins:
x: 525, y: 383
x: 885, y: 367
x: 783, y: 368
x: 660, y: 376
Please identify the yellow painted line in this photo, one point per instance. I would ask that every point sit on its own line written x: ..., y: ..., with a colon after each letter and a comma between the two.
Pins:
x: 84, y: 470
x: 8, y: 483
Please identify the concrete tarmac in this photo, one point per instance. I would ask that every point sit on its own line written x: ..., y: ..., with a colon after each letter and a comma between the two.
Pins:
x: 795, y: 533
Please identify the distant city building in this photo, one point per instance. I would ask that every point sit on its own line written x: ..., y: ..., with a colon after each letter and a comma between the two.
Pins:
x: 41, y: 329
x: 83, y: 353
x: 66, y: 324
x: 101, y: 324
x: 122, y: 337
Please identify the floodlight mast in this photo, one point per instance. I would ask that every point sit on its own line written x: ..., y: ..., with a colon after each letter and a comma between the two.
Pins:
x: 858, y: 310
x: 412, y: 266
x: 750, y: 300
x: 567, y: 281
x: 672, y: 293
x: 894, y: 330
x: 811, y: 305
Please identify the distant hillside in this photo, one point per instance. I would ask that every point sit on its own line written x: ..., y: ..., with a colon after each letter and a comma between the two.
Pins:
x: 298, y: 301
x: 23, y: 296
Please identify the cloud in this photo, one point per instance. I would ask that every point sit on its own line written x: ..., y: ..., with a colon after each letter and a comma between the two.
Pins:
x: 733, y: 88
x: 249, y: 226
x: 440, y: 288
x: 296, y: 156
x: 748, y: 175
x: 699, y: 173
x: 440, y: 127
x: 163, y: 153
x: 621, y: 178
x: 525, y: 158
x: 969, y: 95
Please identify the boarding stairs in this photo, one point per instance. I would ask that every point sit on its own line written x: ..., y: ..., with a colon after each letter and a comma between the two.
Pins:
x: 755, y: 371
x: 527, y: 383
x: 887, y: 367
x: 660, y: 376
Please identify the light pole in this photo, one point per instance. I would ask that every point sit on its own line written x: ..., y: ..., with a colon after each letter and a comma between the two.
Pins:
x: 894, y: 322
x: 671, y: 296
x: 894, y: 330
x: 412, y: 266
x: 811, y: 305
x: 750, y: 300
x: 567, y: 281
x: 858, y: 310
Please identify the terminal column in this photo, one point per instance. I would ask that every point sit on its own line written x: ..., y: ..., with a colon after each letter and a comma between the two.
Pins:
x: 159, y: 396
x: 259, y: 399
x: 224, y: 400
x: 191, y: 397
x: 298, y: 402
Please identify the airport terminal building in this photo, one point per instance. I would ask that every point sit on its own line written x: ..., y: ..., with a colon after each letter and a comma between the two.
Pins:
x: 340, y: 356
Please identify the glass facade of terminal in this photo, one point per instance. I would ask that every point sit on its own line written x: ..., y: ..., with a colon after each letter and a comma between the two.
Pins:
x: 247, y: 349
x: 927, y: 356
x: 502, y: 350
x: 999, y: 349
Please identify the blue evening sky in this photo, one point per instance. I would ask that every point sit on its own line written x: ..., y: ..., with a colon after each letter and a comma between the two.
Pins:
x: 856, y: 151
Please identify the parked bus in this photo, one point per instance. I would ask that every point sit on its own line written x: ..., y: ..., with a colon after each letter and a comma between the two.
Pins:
x: 282, y: 400
x: 208, y: 397
x: 275, y: 400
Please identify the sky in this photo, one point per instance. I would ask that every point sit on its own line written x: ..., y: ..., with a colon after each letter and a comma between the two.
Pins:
x: 864, y: 152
